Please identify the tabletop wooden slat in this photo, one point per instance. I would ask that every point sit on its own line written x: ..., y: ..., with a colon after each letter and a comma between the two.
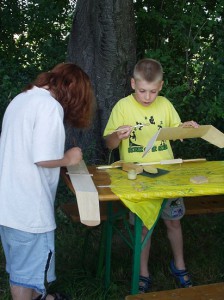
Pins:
x: 102, y: 178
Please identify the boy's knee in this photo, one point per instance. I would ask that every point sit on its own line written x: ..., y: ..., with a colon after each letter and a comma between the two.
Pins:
x: 144, y: 231
x: 173, y: 224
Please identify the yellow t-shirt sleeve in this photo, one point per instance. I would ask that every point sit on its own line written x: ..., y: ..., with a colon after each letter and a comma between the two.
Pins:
x: 116, y: 119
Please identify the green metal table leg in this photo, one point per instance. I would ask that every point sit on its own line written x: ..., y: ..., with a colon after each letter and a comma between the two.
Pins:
x: 136, y: 255
x: 137, y: 248
x: 137, y: 245
x: 100, y: 266
x: 109, y: 231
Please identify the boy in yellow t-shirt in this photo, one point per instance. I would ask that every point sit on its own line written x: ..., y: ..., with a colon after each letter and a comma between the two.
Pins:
x: 145, y: 106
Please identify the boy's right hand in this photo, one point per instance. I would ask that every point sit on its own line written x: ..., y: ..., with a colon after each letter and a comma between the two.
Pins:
x: 123, y: 132
x: 73, y: 156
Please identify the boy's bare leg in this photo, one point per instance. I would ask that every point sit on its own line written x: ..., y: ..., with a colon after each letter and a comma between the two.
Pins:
x: 175, y: 236
x: 174, y: 233
x: 144, y: 271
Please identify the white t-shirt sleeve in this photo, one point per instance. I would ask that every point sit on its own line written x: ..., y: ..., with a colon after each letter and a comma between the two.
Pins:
x: 48, y: 133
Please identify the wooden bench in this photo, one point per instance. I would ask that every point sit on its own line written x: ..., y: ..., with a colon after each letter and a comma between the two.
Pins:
x: 204, y: 205
x: 213, y: 291
x: 194, y: 206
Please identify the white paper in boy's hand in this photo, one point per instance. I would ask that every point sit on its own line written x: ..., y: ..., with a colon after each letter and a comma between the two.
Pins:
x: 151, y: 143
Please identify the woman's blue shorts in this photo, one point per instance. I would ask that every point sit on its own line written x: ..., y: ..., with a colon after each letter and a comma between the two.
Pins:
x: 30, y: 257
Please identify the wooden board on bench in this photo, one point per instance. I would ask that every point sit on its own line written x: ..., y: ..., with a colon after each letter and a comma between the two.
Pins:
x: 204, y: 205
x: 71, y: 210
x: 213, y: 291
x: 194, y: 206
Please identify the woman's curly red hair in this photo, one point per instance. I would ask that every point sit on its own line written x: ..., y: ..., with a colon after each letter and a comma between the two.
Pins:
x: 72, y: 88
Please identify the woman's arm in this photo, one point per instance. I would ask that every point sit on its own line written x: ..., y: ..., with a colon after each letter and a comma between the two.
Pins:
x: 71, y: 157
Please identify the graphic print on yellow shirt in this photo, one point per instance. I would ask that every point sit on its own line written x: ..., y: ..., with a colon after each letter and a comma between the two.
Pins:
x: 159, y: 114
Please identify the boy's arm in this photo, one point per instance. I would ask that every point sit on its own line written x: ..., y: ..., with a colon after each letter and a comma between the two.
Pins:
x: 113, y: 140
x: 71, y: 157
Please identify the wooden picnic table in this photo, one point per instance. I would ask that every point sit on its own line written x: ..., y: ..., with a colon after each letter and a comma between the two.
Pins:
x: 215, y: 186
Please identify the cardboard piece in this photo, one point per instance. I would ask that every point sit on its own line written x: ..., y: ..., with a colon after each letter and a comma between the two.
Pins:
x: 86, y: 194
x: 150, y: 170
x: 199, y: 179
x: 207, y: 132
x: 131, y: 166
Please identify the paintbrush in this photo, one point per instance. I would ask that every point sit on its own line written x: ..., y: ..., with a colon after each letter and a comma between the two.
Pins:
x: 162, y: 162
x: 135, y: 126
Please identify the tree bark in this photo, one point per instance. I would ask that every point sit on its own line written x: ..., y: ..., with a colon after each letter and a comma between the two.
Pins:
x: 103, y: 44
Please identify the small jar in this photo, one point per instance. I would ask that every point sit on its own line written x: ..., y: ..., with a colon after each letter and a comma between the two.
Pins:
x: 132, y: 174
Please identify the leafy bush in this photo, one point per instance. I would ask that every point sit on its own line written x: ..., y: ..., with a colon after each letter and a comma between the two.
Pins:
x: 187, y: 38
x: 34, y: 38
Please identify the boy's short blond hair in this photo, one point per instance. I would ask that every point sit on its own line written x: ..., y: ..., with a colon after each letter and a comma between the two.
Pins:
x: 148, y: 69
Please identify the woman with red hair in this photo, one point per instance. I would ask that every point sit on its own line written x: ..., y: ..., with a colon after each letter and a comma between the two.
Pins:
x: 31, y: 154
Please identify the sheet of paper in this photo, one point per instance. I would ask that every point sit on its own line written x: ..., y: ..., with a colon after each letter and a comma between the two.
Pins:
x: 151, y: 143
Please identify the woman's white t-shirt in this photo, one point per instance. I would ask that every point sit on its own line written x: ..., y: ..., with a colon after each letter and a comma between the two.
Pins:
x: 32, y: 131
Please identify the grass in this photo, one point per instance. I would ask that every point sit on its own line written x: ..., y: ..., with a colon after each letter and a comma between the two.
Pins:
x: 203, y: 244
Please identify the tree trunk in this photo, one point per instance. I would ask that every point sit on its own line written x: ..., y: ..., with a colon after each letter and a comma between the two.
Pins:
x: 103, y: 43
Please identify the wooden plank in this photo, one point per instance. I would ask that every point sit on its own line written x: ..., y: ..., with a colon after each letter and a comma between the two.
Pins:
x: 204, y: 204
x: 100, y: 177
x: 193, y: 205
x: 207, y: 132
x: 86, y: 194
x: 70, y: 209
x: 131, y: 166
x: 72, y: 212
x: 162, y: 162
x: 202, y: 292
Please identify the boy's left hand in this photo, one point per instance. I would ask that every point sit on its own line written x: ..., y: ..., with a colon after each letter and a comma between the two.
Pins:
x: 189, y: 124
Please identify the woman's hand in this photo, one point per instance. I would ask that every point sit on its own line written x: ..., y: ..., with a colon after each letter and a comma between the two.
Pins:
x: 73, y: 156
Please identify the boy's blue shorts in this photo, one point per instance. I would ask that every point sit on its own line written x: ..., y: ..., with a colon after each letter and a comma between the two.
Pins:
x: 30, y: 257
x: 173, y: 210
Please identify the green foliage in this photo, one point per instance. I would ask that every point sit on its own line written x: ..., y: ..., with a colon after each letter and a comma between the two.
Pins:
x: 34, y: 38
x: 187, y: 38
